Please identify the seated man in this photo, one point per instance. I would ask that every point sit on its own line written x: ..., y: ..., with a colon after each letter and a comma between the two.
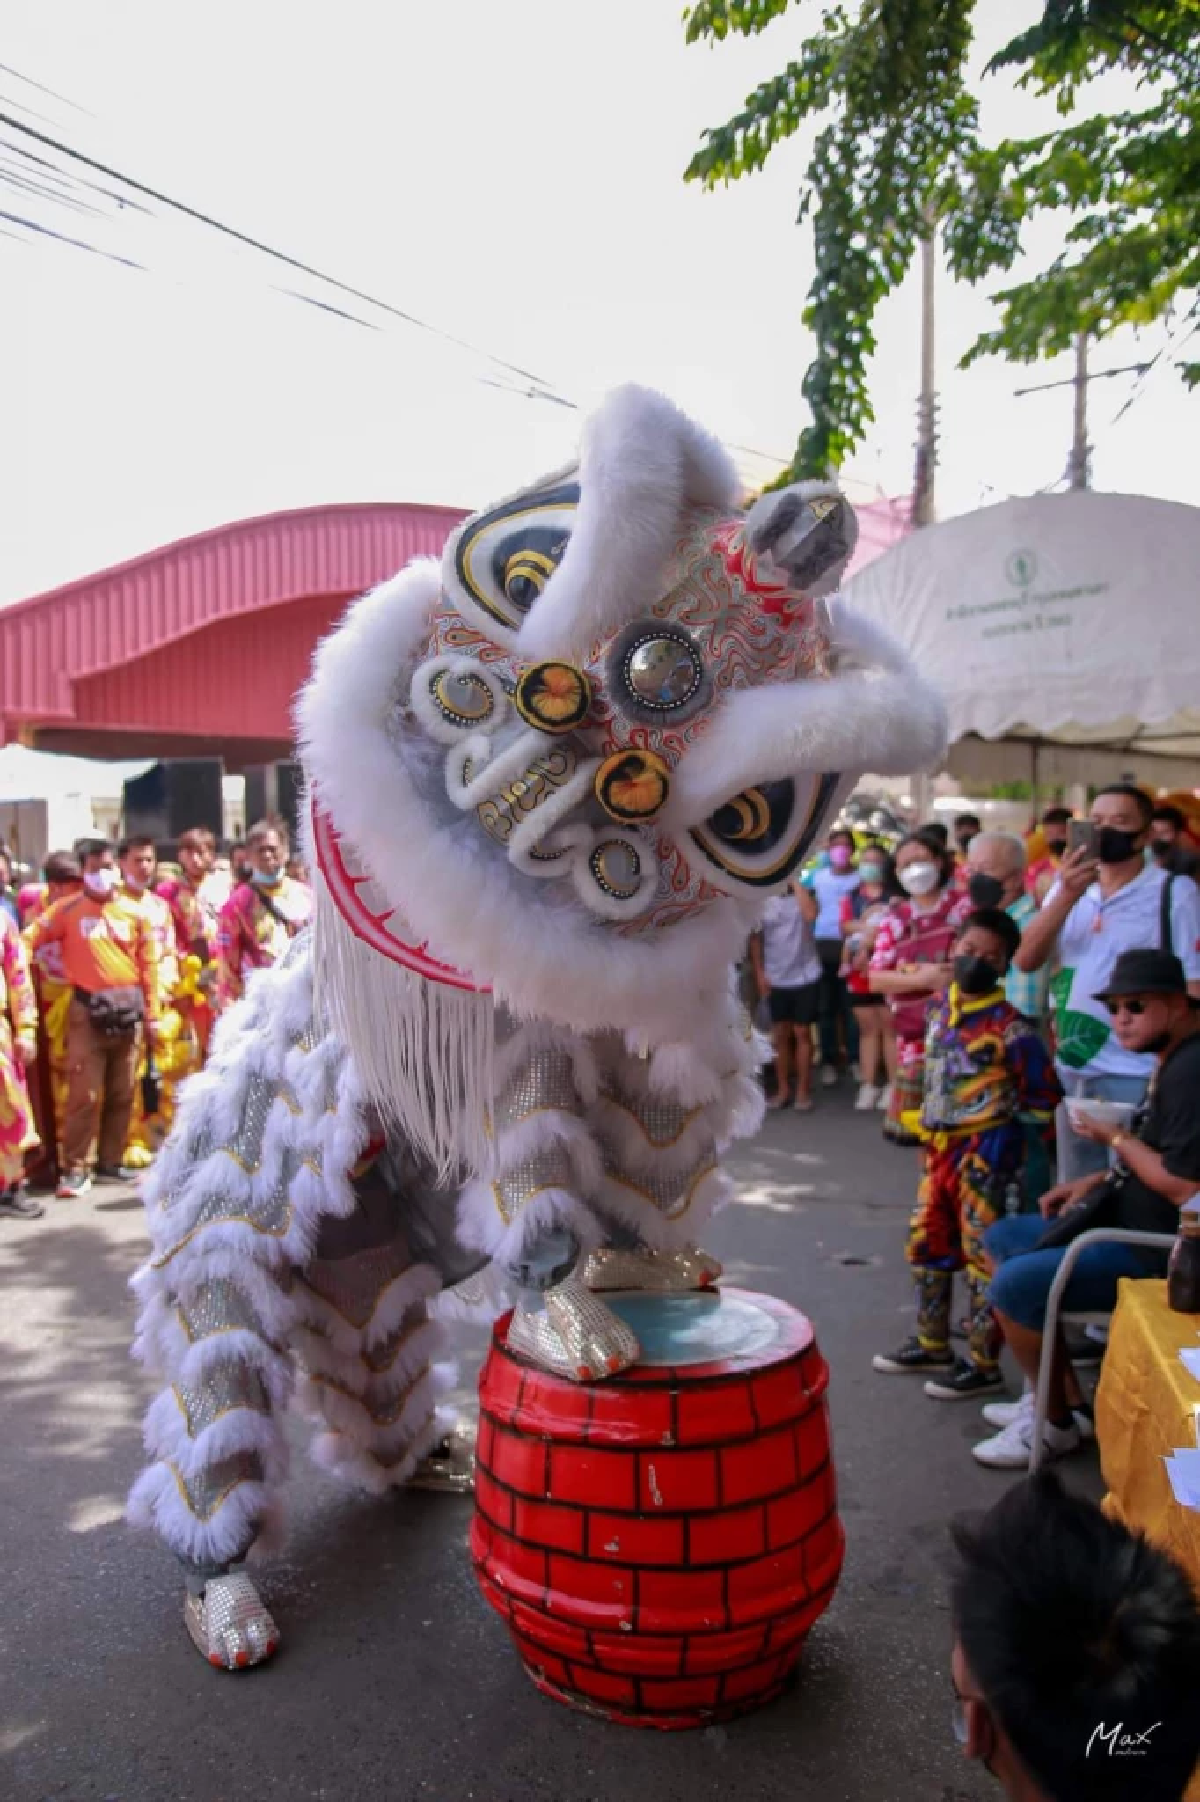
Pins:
x: 1076, y: 1654
x: 1159, y: 1173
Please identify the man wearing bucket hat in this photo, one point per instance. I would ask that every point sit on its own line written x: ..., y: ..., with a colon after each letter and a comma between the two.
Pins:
x: 1157, y: 1174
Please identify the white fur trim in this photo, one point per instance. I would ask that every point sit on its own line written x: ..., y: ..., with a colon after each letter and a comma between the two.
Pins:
x: 247, y: 1512
x: 482, y: 1226
x: 619, y: 1201
x: 357, y: 1460
x: 643, y: 462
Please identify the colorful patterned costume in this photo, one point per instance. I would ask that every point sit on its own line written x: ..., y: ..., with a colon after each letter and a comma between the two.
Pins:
x: 195, y: 922
x: 18, y: 1021
x: 254, y: 930
x: 551, y: 783
x: 986, y: 1073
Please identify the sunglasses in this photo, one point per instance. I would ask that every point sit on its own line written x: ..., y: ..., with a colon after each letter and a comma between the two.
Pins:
x: 1122, y: 1005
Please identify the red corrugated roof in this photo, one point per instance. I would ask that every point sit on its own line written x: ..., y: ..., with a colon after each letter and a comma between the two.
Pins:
x: 204, y: 643
x: 151, y: 644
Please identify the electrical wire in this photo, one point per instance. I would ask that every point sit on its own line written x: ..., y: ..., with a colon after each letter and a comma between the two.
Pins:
x: 538, y: 389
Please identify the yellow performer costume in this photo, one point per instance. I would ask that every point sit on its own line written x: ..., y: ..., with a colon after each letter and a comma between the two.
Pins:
x: 177, y: 1052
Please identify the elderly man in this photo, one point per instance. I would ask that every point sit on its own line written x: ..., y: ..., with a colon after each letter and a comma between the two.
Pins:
x: 996, y: 878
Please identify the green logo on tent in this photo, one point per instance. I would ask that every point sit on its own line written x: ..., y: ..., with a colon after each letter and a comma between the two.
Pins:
x: 1021, y: 568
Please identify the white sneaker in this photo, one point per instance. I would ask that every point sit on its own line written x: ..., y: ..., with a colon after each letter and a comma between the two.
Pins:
x: 1010, y: 1449
x: 829, y: 1075
x: 883, y: 1100
x: 866, y: 1099
x: 1002, y: 1414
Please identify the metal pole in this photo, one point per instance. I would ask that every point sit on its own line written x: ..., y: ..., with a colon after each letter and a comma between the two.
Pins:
x: 1077, y: 468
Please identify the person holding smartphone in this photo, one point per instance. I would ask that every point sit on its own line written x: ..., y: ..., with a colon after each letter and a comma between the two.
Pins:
x: 1107, y: 900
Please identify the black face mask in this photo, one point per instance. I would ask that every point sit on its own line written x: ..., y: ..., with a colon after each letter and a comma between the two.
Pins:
x: 985, y: 891
x: 975, y: 976
x: 1056, y: 846
x: 1162, y: 848
x: 1115, y: 846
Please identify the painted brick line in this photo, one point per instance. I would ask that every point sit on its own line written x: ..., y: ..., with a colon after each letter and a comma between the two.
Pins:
x: 778, y: 1522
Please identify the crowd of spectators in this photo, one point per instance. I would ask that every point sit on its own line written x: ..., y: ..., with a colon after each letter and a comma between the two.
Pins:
x: 112, y: 975
x: 1031, y: 1026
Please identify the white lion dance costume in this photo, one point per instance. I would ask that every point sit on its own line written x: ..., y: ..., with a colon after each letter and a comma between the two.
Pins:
x: 551, y: 783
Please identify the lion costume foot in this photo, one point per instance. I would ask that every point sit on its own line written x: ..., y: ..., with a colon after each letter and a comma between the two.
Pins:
x: 659, y: 1272
x: 229, y: 1624
x: 575, y: 1334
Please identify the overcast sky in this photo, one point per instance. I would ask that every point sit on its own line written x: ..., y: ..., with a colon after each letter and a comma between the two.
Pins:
x: 511, y: 174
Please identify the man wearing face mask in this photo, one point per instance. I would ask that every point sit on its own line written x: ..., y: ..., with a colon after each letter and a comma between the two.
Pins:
x: 262, y: 916
x: 1169, y: 841
x: 110, y: 959
x: 1103, y: 905
x: 996, y: 878
x: 1042, y: 873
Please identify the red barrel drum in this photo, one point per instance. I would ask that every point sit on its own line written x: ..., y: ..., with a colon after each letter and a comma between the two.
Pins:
x: 660, y: 1543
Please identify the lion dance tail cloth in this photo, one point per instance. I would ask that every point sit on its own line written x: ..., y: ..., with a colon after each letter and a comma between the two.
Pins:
x: 550, y: 783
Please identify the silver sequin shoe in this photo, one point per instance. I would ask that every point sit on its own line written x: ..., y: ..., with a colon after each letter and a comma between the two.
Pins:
x: 575, y: 1334
x: 450, y: 1465
x: 660, y: 1272
x: 229, y: 1624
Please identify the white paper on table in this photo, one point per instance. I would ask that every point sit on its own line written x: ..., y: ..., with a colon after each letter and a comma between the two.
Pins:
x: 1183, y: 1469
x: 1189, y: 1357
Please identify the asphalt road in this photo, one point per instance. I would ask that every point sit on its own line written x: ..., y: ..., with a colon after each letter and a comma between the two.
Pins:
x: 395, y: 1681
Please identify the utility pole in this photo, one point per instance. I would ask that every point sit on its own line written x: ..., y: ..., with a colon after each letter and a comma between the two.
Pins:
x: 1079, y: 460
x: 926, y: 459
x: 1077, y: 467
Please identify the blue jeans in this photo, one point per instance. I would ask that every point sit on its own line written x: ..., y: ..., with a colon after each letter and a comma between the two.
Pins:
x: 1083, y: 1157
x: 1020, y: 1286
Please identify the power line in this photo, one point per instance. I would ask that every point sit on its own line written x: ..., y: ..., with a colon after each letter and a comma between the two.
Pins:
x: 538, y: 388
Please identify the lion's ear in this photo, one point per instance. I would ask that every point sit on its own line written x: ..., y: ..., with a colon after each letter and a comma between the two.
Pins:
x: 808, y: 530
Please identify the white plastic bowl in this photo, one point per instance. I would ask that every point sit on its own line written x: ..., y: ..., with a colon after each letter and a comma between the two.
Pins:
x: 1102, y: 1113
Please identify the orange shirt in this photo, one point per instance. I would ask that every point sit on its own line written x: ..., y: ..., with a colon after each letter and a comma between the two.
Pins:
x: 105, y: 944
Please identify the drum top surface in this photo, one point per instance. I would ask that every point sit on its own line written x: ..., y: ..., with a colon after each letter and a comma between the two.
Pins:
x: 682, y: 1330
x: 715, y: 1333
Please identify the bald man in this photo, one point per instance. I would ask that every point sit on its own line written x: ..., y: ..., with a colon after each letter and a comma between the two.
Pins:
x: 996, y: 878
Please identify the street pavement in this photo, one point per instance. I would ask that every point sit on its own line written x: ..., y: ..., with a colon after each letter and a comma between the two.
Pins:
x: 395, y: 1681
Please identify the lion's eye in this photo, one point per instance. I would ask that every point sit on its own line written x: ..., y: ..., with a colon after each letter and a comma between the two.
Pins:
x: 746, y: 818
x: 504, y: 558
x: 757, y: 840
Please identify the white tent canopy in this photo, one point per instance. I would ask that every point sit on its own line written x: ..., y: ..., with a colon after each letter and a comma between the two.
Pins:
x: 1064, y: 632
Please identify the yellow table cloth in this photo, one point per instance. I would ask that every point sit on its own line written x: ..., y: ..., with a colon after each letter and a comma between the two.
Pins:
x: 1146, y: 1408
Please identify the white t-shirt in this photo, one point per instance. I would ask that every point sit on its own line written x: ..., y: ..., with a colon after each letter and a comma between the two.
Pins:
x: 1093, y: 937
x: 829, y: 886
x: 790, y: 958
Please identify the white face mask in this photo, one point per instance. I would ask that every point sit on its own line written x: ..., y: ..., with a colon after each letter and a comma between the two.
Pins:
x: 101, y: 883
x: 920, y: 878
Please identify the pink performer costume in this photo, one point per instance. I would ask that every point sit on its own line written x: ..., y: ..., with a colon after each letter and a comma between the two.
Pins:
x: 551, y: 783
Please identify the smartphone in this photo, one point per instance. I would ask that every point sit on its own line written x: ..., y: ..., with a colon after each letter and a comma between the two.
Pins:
x: 1082, y: 836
